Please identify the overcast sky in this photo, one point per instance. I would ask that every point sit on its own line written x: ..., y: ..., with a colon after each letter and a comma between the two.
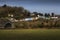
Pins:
x: 44, y: 6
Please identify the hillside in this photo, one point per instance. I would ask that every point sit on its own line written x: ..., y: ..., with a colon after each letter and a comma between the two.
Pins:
x: 18, y: 12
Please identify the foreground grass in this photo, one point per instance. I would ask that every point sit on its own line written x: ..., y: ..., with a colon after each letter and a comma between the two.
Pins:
x: 30, y: 34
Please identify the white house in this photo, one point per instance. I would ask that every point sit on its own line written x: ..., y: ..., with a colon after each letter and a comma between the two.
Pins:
x: 54, y: 17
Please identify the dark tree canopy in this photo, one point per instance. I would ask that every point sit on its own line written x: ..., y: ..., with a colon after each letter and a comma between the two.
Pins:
x: 46, y: 15
x: 4, y: 5
x: 40, y: 14
x: 52, y: 14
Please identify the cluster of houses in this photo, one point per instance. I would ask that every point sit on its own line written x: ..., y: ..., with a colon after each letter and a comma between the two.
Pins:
x: 33, y: 18
x: 39, y: 17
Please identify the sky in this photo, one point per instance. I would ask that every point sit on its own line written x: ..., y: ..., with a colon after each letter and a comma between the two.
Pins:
x: 42, y: 6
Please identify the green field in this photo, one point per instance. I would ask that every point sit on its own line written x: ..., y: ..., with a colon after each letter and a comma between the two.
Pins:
x: 30, y: 34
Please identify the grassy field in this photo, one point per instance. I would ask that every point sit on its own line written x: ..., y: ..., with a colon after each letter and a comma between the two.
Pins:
x: 30, y: 34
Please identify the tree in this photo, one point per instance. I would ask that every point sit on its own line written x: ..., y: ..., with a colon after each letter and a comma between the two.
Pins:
x: 46, y: 15
x: 4, y: 5
x: 52, y: 14
x: 28, y: 15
